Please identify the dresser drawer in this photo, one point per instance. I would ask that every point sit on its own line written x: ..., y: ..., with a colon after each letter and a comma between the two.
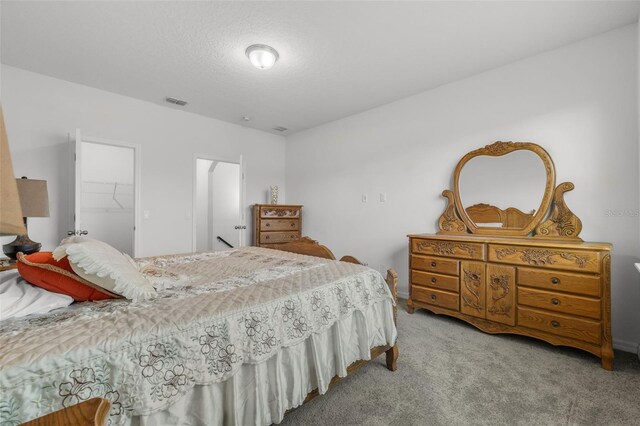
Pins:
x: 583, y: 284
x: 460, y: 250
x: 541, y: 257
x: 279, y: 225
x: 279, y: 212
x: 278, y: 237
x: 434, y: 264
x: 561, y: 325
x: 440, y: 298
x: 559, y: 302
x: 443, y: 282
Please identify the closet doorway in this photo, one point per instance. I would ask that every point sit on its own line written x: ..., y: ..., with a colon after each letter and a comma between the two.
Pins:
x: 218, y: 220
x: 106, y: 191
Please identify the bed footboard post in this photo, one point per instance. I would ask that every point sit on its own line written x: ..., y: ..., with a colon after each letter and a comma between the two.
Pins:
x: 392, y: 353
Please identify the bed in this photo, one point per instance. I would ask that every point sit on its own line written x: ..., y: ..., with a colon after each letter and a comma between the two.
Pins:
x: 240, y: 337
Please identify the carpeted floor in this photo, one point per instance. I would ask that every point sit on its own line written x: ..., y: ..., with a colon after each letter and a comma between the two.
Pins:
x: 451, y: 373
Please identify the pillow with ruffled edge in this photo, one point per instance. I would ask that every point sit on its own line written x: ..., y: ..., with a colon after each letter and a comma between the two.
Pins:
x: 101, y: 264
x: 42, y: 270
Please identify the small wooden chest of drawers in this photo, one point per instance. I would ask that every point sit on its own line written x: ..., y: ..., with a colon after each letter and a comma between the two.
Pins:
x: 276, y: 224
x: 557, y: 291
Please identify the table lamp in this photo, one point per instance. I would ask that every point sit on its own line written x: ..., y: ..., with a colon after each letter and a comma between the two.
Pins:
x: 11, y: 222
x: 34, y: 202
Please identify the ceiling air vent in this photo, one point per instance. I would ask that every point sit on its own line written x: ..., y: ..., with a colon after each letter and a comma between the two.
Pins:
x: 280, y: 129
x: 175, y: 101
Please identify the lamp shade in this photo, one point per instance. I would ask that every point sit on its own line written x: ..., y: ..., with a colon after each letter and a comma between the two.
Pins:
x: 34, y: 198
x: 11, y: 222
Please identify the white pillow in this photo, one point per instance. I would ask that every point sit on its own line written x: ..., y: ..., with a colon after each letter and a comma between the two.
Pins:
x: 18, y: 298
x: 104, y: 266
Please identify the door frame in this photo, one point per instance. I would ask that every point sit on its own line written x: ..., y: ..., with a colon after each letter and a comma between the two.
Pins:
x: 239, y: 160
x: 137, y: 192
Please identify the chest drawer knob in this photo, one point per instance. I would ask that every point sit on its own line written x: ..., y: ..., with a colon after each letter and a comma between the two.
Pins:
x: 433, y: 280
x: 555, y: 324
x: 433, y: 297
x: 267, y: 224
x: 555, y: 280
x: 555, y: 301
x: 293, y: 224
x: 433, y: 264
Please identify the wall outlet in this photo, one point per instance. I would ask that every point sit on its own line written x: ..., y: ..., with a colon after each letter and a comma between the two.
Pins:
x: 145, y: 214
x: 364, y: 198
x: 383, y: 197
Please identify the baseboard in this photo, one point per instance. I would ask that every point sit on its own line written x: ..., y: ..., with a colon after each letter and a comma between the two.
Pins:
x: 403, y: 295
x: 626, y: 346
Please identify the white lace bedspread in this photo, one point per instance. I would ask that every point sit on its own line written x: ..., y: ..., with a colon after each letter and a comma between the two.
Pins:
x: 234, y: 307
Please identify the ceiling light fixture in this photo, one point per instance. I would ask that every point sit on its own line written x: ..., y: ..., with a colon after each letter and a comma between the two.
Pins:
x: 262, y: 56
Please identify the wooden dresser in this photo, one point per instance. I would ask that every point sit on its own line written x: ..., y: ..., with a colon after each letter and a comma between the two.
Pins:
x: 276, y: 224
x: 521, y: 270
x: 555, y: 291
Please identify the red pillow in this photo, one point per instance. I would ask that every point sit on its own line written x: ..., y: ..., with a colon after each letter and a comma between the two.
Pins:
x: 42, y: 270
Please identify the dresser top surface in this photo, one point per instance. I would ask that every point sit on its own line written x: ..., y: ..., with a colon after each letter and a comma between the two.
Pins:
x: 278, y: 205
x: 528, y: 241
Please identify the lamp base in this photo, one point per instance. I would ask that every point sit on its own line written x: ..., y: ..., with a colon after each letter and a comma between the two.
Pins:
x: 23, y: 244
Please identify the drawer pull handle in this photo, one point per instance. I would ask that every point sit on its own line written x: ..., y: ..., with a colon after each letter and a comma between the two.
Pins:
x: 293, y: 224
x: 555, y: 301
x: 555, y: 324
x: 433, y: 297
x: 555, y: 280
x: 267, y: 237
x: 267, y: 224
x: 433, y: 264
x: 433, y: 280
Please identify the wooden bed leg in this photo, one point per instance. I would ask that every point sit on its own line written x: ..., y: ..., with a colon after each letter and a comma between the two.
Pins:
x: 392, y: 358
x: 392, y: 353
x: 392, y: 282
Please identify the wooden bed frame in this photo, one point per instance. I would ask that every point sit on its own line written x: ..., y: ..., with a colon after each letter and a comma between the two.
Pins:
x: 94, y: 412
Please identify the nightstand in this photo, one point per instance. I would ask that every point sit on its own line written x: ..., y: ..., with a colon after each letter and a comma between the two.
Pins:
x: 5, y: 265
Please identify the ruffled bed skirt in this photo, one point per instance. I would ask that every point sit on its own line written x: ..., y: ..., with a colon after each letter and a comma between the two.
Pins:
x: 260, y: 394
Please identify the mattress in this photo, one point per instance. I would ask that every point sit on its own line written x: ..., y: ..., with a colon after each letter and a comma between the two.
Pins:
x: 234, y: 337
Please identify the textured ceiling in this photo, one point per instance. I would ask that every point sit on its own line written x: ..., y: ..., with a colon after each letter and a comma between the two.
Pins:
x: 336, y: 58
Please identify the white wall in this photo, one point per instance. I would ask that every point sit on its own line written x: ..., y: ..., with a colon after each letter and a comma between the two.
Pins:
x: 579, y: 102
x: 40, y: 111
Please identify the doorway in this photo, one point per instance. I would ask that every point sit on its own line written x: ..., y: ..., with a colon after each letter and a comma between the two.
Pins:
x: 218, y: 213
x: 106, y: 191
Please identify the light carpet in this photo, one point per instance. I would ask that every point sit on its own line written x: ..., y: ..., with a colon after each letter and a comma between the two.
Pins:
x: 451, y: 373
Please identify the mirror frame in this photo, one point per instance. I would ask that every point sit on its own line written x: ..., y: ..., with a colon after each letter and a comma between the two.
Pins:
x: 499, y: 149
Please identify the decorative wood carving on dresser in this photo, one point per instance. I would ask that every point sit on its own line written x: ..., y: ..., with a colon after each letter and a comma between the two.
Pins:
x: 276, y: 224
x: 508, y: 269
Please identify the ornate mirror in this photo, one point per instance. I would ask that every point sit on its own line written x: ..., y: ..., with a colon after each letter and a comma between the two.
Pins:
x: 507, y: 189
